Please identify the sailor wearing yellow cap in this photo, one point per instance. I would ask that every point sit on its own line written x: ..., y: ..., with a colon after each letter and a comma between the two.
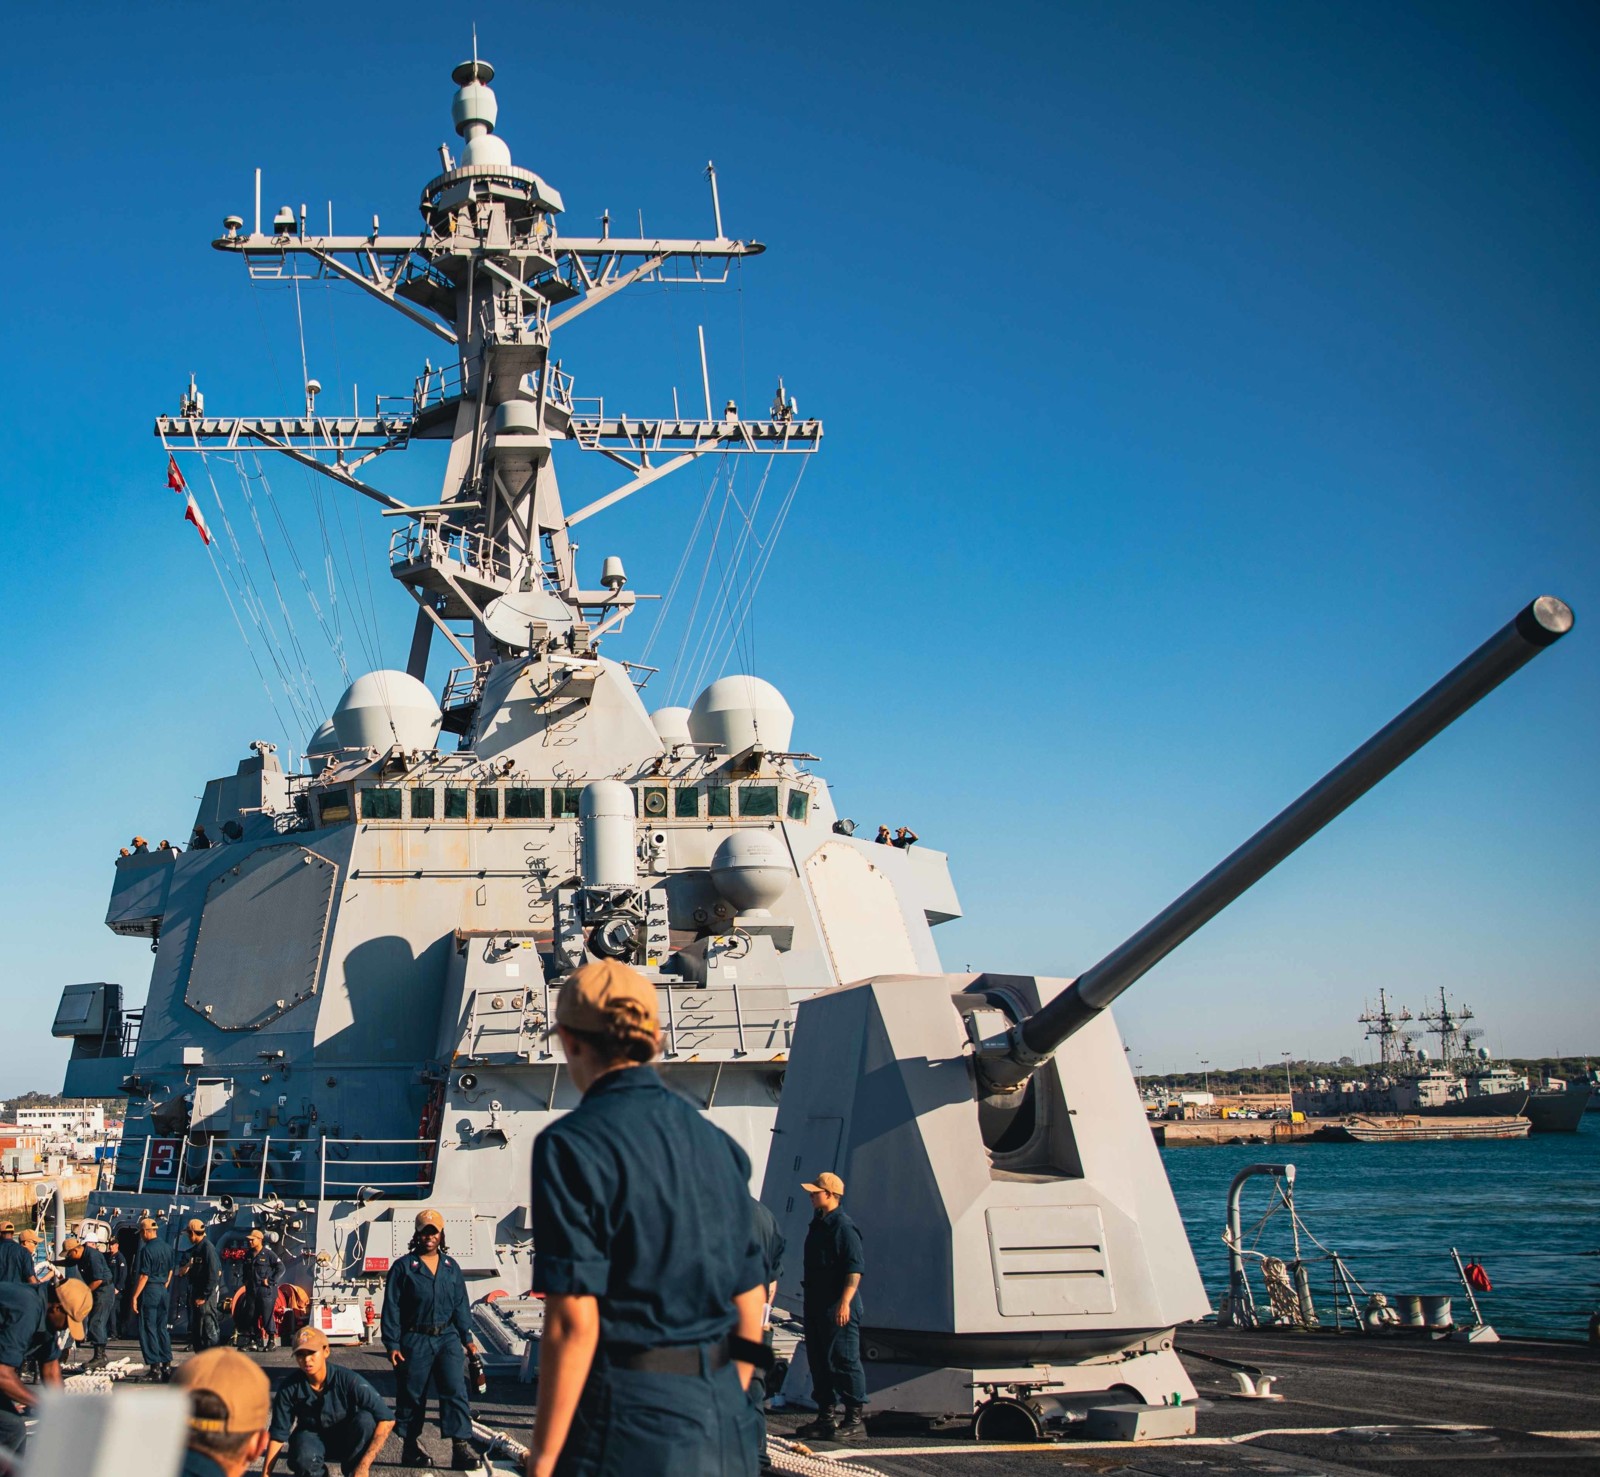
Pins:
x: 32, y: 1321
x: 427, y: 1329
x: 230, y: 1403
x: 88, y: 1264
x: 645, y: 1250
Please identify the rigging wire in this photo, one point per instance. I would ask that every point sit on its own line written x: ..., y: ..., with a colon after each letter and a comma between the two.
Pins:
x: 683, y: 563
x: 761, y: 570
x: 678, y: 671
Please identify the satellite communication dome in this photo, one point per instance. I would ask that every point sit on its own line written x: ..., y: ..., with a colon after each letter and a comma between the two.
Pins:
x: 382, y: 709
x: 752, y: 870
x: 671, y: 725
x: 1422, y: 1053
x: 1483, y: 1053
x: 324, y: 741
x: 737, y: 713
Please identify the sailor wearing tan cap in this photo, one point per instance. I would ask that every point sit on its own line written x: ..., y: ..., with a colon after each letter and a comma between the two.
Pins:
x: 230, y: 1403
x: 427, y: 1329
x: 831, y: 1311
x: 32, y: 1321
x: 645, y: 1250
x: 88, y: 1264
x: 201, y: 1269
x: 325, y: 1413
x: 15, y: 1264
x: 152, y: 1299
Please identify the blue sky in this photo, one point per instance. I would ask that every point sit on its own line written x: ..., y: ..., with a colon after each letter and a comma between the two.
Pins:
x: 1201, y: 382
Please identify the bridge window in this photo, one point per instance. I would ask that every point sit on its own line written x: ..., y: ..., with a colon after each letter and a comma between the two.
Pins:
x: 686, y: 803
x: 758, y: 800
x: 486, y: 805
x: 422, y: 803
x: 719, y: 800
x: 525, y: 804
x: 380, y: 805
x: 564, y: 804
x: 799, y: 805
x: 455, y: 804
x: 333, y: 807
x: 655, y: 801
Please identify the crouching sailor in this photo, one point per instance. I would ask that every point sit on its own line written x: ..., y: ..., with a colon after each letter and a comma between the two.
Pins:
x: 645, y: 1249
x: 32, y: 1322
x: 325, y: 1413
x: 88, y: 1264
x: 427, y: 1329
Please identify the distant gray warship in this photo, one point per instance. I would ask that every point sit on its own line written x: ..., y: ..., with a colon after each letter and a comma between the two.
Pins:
x: 351, y: 994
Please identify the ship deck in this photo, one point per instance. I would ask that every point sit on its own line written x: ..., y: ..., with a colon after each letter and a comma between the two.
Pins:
x: 1352, y: 1404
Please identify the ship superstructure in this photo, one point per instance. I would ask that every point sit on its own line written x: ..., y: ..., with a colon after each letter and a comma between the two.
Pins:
x: 352, y: 985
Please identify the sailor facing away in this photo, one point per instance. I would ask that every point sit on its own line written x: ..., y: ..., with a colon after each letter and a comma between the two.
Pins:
x: 645, y: 1250
x: 15, y: 1263
x: 152, y: 1300
x: 88, y: 1265
x: 427, y: 1330
x: 230, y: 1403
x: 772, y: 1244
x: 201, y: 1270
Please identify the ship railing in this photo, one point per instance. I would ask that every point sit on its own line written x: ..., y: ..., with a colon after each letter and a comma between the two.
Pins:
x: 464, y: 686
x: 397, y: 1168
x: 699, y: 1020
x: 443, y: 543
x: 132, y: 1022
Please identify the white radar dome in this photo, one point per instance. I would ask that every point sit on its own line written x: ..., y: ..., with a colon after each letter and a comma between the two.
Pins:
x: 737, y: 713
x: 671, y: 725
x: 324, y: 741
x: 381, y: 709
x: 752, y: 870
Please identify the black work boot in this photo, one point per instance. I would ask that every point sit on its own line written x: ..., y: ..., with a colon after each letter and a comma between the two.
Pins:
x: 99, y: 1357
x: 412, y: 1454
x: 851, y: 1424
x: 464, y: 1456
x: 821, y: 1429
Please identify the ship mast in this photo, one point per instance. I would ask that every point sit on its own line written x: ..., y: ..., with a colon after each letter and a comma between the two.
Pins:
x: 1386, y: 1025
x: 1450, y: 1027
x: 490, y: 276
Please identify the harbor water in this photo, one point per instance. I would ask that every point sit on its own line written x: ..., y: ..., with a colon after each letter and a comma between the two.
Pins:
x: 1527, y: 1209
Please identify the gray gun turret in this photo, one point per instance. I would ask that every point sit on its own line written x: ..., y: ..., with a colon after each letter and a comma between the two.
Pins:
x: 1020, y: 1229
x: 1006, y: 1062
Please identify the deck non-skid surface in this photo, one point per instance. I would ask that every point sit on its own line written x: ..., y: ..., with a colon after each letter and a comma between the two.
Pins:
x: 1352, y: 1405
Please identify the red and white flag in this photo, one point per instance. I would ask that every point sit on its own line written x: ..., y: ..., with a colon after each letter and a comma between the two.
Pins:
x: 195, y: 516
x: 174, y: 476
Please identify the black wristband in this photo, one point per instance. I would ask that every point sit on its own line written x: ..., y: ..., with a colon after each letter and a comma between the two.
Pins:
x: 748, y: 1351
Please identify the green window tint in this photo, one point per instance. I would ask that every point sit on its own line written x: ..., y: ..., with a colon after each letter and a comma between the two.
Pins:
x: 455, y: 804
x: 719, y: 800
x: 524, y: 805
x: 686, y: 803
x: 655, y: 802
x: 758, y: 800
x: 564, y: 804
x: 422, y: 803
x: 380, y: 805
x: 333, y: 808
x: 799, y: 805
x: 486, y: 805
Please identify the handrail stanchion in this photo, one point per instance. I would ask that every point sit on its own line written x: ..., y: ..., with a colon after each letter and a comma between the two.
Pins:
x: 205, y: 1185
x: 266, y: 1149
x: 144, y: 1160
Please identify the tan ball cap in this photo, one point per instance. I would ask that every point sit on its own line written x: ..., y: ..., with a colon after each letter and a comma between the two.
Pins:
x: 430, y: 1218
x: 827, y: 1182
x: 195, y: 1226
x: 76, y: 1300
x: 237, y: 1383
x: 310, y: 1338
x: 591, y: 997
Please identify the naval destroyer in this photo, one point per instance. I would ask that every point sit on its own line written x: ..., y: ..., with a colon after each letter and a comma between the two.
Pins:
x: 354, y: 957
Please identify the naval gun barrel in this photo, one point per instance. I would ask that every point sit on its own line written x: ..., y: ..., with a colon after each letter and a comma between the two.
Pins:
x: 1008, y: 1061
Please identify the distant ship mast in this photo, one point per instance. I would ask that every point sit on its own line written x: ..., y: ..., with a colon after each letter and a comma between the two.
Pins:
x: 1455, y: 1041
x: 1394, y: 1043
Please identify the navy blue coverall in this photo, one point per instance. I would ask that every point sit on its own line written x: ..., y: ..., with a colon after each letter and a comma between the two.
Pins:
x: 201, y: 1270
x: 426, y: 1317
x: 24, y: 1335
x: 832, y: 1254
x: 15, y: 1263
x: 642, y: 1204
x: 772, y: 1244
x: 91, y: 1266
x: 255, y: 1319
x: 154, y: 1260
x: 333, y: 1424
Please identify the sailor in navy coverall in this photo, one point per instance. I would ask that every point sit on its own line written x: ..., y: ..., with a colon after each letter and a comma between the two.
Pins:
x: 645, y: 1249
x: 427, y: 1330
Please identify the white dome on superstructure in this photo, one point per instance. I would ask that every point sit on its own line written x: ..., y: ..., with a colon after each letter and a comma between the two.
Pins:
x: 672, y: 724
x: 752, y: 870
x: 737, y: 713
x: 324, y: 741
x: 382, y: 709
